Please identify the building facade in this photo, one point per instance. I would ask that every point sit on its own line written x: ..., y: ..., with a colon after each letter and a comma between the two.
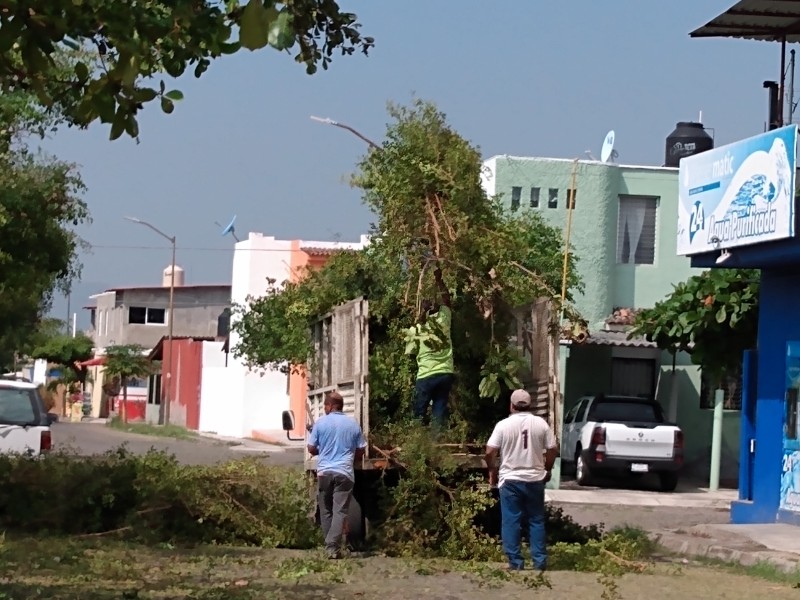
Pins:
x: 758, y: 227
x: 236, y: 400
x: 623, y: 233
x: 140, y: 315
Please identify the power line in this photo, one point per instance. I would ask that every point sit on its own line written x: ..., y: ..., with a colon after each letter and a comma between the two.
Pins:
x: 204, y: 249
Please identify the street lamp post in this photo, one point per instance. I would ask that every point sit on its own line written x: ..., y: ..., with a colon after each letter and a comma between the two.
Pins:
x: 166, y: 396
x: 361, y: 136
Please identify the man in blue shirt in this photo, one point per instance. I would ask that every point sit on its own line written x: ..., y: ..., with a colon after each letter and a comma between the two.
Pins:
x: 337, y: 441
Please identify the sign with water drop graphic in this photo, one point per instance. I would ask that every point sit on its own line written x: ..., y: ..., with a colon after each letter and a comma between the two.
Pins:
x: 738, y: 194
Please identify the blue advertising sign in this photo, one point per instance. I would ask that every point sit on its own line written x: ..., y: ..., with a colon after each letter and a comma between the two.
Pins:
x: 738, y: 194
x: 790, y: 481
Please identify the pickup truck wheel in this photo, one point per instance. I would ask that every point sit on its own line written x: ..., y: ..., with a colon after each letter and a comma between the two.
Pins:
x: 355, y: 524
x: 668, y: 481
x: 582, y: 474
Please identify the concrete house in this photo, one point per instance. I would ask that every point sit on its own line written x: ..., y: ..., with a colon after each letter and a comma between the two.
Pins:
x: 624, y: 235
x: 236, y: 400
x: 139, y: 315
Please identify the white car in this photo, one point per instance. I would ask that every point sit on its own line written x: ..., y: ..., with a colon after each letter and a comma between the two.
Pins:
x: 626, y: 435
x: 24, y: 422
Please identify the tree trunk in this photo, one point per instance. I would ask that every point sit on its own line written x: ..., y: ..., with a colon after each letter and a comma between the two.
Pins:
x: 125, y: 400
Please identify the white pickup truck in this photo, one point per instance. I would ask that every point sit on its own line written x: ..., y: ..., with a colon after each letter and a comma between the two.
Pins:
x: 626, y: 435
x: 24, y: 422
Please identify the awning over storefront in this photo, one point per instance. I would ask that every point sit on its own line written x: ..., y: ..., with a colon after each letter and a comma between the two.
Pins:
x: 157, y: 353
x: 766, y: 20
x: 618, y: 339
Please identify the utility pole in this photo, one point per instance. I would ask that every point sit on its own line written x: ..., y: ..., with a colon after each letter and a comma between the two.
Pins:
x: 792, y: 104
x: 165, y: 398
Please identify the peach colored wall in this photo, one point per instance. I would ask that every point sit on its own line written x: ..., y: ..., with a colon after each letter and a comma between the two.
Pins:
x: 298, y: 383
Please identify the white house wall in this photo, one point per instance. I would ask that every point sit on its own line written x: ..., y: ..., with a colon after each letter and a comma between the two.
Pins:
x: 235, y: 400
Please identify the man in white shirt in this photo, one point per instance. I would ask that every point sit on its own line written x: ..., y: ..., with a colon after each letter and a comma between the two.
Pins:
x: 527, y: 450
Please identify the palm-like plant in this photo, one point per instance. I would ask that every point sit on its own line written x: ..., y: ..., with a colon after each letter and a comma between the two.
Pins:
x: 124, y: 362
x: 68, y: 352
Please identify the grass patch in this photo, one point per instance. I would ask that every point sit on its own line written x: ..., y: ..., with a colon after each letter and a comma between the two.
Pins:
x: 169, y: 431
x: 80, y: 568
x: 70, y: 568
x: 760, y: 570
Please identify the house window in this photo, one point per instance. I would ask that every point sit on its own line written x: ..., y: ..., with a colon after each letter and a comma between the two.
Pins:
x: 633, y: 377
x: 99, y: 329
x: 731, y: 386
x: 572, y: 198
x: 552, y: 198
x: 516, y: 196
x: 636, y: 230
x: 156, y: 316
x: 140, y: 315
x: 534, y: 197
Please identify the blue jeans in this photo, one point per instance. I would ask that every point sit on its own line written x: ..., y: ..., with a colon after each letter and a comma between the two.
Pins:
x: 436, y: 389
x: 521, y: 504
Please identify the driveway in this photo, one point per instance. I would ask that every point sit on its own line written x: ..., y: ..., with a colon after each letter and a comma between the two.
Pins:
x: 87, y: 439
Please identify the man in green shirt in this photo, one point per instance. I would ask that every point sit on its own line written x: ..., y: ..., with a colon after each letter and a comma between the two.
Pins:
x: 431, y: 341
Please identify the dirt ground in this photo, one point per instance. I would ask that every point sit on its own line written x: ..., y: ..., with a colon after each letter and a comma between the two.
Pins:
x: 98, y: 569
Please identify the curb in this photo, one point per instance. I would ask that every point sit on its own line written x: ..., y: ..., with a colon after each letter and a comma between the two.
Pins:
x: 688, y: 545
x: 567, y: 496
x: 242, y: 444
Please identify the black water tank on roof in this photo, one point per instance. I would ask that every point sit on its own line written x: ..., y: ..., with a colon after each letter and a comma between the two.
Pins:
x: 688, y: 139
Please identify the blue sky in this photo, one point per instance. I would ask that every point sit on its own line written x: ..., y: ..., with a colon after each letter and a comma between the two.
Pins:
x: 515, y: 77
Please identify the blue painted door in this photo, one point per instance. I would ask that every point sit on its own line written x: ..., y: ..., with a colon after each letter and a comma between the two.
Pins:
x: 747, y: 439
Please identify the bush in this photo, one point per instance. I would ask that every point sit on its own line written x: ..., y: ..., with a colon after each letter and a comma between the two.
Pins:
x: 435, y: 509
x: 153, y: 498
x: 431, y: 508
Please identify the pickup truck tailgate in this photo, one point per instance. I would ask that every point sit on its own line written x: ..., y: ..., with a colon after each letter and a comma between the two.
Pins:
x: 639, y: 441
x: 15, y: 439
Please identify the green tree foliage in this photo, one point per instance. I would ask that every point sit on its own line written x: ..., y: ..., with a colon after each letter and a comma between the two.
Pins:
x: 124, y: 362
x: 65, y: 350
x: 713, y: 316
x: 132, y: 44
x: 424, y: 186
x: 21, y: 113
x: 68, y: 352
x: 39, y: 207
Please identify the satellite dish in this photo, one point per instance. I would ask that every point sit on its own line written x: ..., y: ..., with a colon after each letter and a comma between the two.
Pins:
x: 230, y: 229
x: 608, y: 153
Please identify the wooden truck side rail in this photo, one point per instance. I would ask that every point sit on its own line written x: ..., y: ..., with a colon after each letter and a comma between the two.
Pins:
x: 341, y: 363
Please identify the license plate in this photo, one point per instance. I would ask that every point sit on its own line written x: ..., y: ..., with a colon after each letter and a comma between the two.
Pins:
x: 639, y: 468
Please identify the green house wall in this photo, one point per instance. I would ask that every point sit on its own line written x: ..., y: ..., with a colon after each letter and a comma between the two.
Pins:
x: 609, y: 285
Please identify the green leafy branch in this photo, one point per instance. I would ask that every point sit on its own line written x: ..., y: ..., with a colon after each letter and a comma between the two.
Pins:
x: 713, y: 316
x: 127, y: 46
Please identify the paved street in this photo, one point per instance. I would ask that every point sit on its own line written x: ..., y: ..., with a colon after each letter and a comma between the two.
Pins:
x: 87, y: 439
